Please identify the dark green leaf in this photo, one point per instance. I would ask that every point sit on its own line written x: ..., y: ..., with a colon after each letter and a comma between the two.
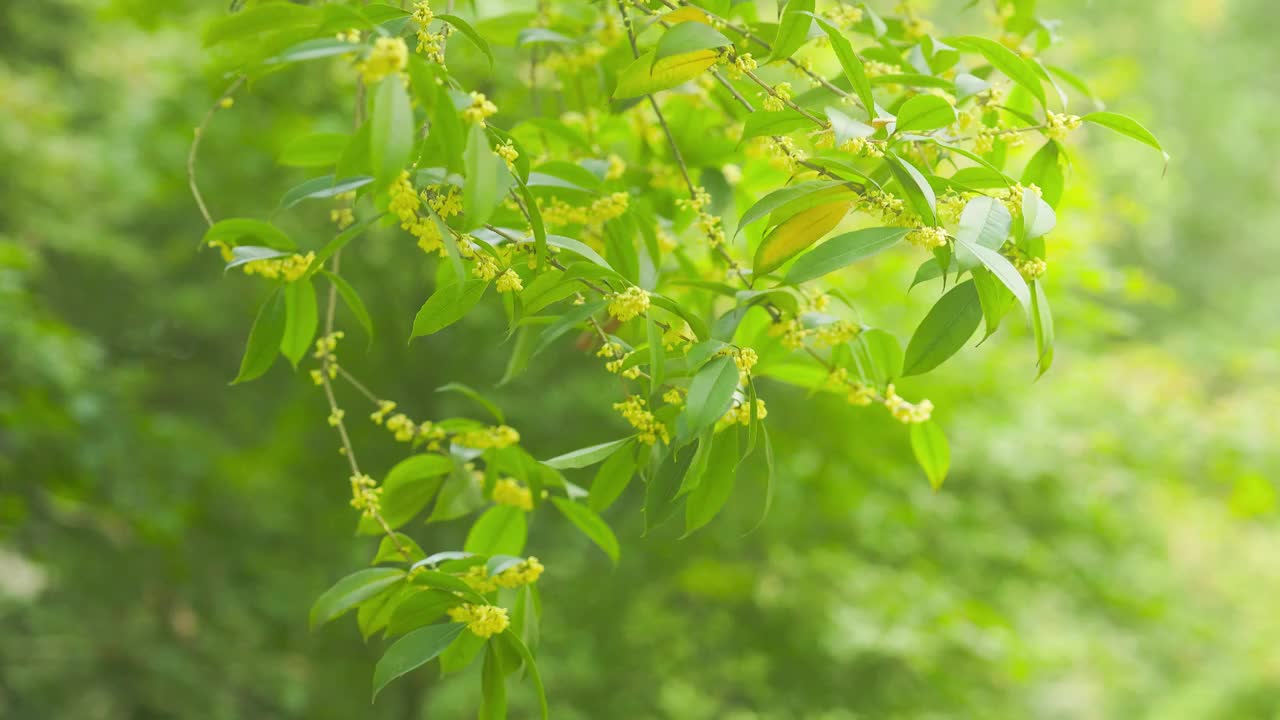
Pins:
x: 390, y: 130
x: 407, y: 489
x: 501, y: 530
x: 448, y: 305
x: 842, y: 251
x: 706, y: 499
x: 469, y: 33
x: 710, y: 394
x: 612, y: 478
x: 591, y: 525
x: 300, y: 321
x: 587, y: 456
x: 944, y: 330
x: 413, y: 651
x: 929, y: 444
x: 353, y: 301
x: 352, y: 590
x: 264, y: 338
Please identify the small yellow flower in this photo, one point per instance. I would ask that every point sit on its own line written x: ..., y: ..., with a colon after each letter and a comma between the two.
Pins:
x: 634, y: 412
x: 389, y: 55
x: 226, y: 103
x: 480, y: 109
x: 509, y: 492
x: 509, y: 281
x: 928, y: 237
x: 629, y: 303
x: 483, y: 620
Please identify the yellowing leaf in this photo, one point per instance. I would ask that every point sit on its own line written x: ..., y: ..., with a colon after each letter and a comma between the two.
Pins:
x: 686, y: 14
x: 644, y: 76
x: 797, y: 233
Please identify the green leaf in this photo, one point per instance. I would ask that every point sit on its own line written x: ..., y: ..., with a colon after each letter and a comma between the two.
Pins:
x: 461, y: 652
x: 487, y: 179
x: 778, y: 198
x: 1003, y: 270
x: 407, y: 489
x: 710, y: 394
x: 587, y: 456
x: 842, y: 251
x: 264, y: 339
x: 944, y: 330
x: 929, y: 444
x: 1043, y: 171
x: 1038, y: 218
x: 579, y: 248
x: 1004, y: 60
x: 612, y: 478
x: 984, y: 221
x: 233, y: 230
x: 710, y: 495
x: 1126, y: 126
x: 256, y: 20
x: 352, y: 590
x: 412, y: 652
x: 1042, y: 324
x: 300, y: 319
x: 644, y: 76
x: 470, y: 393
x: 313, y: 50
x: 447, y: 134
x: 688, y: 37
x: 851, y: 64
x: 846, y: 128
x: 657, y: 354
x: 388, y: 551
x: 567, y: 322
x: 878, y: 357
x: 924, y: 112
x: 793, y: 29
x: 447, y: 305
x: 245, y: 254
x: 452, y: 583
x: 420, y: 608
x: 797, y: 233
x: 764, y: 122
x: 591, y: 525
x: 501, y: 530
x: 537, y: 35
x: 321, y: 188
x: 340, y: 241
x: 353, y: 301
x: 917, y: 189
x: 390, y: 130
x: 995, y: 298
x: 493, y: 686
x: 469, y: 33
x: 531, y: 665
x: 314, y: 150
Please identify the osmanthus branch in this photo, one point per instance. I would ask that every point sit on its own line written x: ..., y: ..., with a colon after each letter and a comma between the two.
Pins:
x: 194, y: 152
x: 752, y: 37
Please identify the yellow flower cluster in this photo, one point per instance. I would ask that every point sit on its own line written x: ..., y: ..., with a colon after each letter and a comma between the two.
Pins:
x: 709, y: 224
x: 647, y: 426
x: 509, y: 281
x: 737, y: 64
x: 862, y: 147
x: 740, y: 414
x: 523, y: 573
x: 786, y: 155
x: 928, y: 237
x: 287, y: 268
x: 389, y: 55
x: 559, y: 212
x: 876, y: 69
x: 1031, y: 268
x: 840, y: 331
x: 479, y: 109
x: 673, y: 396
x: 844, y: 16
x: 1059, y: 125
x: 793, y: 333
x: 891, y: 209
x: 859, y: 394
x: 745, y: 358
x: 366, y: 496
x: 429, y: 44
x: 497, y: 437
x: 510, y: 492
x: 904, y: 411
x: 405, y: 201
x: 507, y: 151
x: 629, y: 303
x: 616, y: 167
x: 776, y: 101
x: 950, y: 206
x: 483, y: 620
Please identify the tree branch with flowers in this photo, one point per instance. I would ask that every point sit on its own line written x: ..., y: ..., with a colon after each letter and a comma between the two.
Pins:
x: 577, y: 209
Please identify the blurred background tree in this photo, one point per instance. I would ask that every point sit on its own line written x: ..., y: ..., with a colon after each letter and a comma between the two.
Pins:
x: 1104, y: 548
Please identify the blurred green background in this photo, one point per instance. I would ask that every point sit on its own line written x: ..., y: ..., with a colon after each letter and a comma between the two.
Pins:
x: 1106, y: 546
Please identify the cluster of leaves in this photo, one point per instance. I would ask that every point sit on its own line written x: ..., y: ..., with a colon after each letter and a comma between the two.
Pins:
x: 595, y: 219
